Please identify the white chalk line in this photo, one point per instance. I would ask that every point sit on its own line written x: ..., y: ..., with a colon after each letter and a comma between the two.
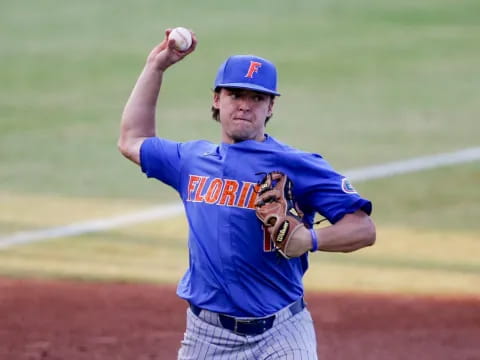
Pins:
x: 173, y: 209
x: 91, y: 226
x: 413, y: 165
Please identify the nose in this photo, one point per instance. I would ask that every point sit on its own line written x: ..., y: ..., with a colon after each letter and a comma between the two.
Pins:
x: 244, y: 104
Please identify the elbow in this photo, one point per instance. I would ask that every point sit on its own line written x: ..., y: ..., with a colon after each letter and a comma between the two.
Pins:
x: 370, y: 234
x: 367, y: 235
x: 130, y: 148
x: 122, y: 146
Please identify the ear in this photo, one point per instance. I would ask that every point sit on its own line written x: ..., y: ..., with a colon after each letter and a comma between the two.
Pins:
x: 216, y: 100
x: 270, y: 107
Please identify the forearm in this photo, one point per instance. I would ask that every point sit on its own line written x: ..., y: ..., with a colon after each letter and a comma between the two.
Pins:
x: 351, y: 233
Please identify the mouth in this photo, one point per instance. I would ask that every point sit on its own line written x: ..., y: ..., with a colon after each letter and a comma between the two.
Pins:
x: 241, y: 119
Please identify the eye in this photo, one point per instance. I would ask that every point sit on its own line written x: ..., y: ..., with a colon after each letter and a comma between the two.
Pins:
x: 258, y: 98
x: 234, y: 95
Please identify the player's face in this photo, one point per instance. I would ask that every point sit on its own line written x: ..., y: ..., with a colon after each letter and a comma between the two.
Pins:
x: 242, y: 114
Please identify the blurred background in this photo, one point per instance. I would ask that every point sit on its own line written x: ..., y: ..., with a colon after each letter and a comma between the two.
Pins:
x: 363, y: 83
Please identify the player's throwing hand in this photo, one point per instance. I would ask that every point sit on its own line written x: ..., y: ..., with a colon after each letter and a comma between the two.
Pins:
x: 166, y: 53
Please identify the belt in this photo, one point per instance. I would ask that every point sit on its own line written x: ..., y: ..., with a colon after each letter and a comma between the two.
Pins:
x: 253, y: 326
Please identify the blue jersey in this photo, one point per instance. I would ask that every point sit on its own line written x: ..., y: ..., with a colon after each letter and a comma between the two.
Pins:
x: 232, y: 266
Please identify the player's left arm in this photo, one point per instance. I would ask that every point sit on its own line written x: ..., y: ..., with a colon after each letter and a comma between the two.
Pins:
x: 354, y: 231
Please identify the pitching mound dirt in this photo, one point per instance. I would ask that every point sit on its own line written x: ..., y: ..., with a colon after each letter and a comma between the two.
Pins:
x: 64, y: 320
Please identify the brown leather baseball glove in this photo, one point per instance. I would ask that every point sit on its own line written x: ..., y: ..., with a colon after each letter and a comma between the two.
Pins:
x: 277, y: 210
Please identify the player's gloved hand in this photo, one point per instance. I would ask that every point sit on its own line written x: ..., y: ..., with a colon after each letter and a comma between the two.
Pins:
x: 277, y: 210
x: 299, y: 243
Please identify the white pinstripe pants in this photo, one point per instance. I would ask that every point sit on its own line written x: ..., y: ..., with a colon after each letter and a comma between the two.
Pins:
x: 290, y: 338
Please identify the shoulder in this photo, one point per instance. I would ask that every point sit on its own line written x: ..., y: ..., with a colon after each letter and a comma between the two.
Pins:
x: 198, y: 146
x: 301, y: 164
x: 158, y: 144
x: 293, y: 152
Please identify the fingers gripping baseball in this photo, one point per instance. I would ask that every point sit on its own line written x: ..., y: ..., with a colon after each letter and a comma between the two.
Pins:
x: 278, y: 211
x: 167, y: 52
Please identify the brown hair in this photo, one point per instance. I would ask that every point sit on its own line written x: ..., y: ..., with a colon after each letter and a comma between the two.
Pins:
x: 216, y: 112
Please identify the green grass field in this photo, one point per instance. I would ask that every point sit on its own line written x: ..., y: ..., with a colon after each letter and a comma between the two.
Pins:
x: 362, y: 83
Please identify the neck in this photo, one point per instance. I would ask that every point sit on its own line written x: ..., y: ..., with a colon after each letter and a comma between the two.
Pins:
x: 234, y: 140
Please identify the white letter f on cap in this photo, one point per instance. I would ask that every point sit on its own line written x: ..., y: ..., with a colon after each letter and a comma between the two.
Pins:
x: 254, y: 66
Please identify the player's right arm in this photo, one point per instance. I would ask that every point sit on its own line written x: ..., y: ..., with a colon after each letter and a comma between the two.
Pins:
x: 138, y: 119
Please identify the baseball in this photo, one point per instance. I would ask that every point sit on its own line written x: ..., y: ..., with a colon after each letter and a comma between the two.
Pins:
x: 182, y: 37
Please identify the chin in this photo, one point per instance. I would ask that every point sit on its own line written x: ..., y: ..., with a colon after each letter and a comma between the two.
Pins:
x: 240, y: 138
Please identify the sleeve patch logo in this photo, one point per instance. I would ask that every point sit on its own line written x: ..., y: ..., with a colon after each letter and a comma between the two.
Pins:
x: 347, y: 187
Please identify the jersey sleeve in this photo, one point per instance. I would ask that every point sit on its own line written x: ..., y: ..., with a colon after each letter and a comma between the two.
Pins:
x: 160, y: 159
x: 327, y: 192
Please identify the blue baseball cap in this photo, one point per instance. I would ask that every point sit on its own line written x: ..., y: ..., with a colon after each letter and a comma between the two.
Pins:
x: 247, y: 72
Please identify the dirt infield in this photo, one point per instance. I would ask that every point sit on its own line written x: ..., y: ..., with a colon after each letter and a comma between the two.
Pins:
x: 60, y: 320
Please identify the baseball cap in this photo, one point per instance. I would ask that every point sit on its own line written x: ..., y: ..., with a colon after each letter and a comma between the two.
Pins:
x: 248, y: 72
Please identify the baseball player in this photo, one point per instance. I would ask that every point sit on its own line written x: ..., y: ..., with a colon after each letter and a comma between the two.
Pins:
x: 250, y: 202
